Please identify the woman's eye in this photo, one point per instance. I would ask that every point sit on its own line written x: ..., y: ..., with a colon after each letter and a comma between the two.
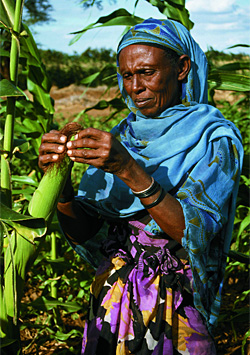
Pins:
x: 126, y: 76
x: 148, y: 72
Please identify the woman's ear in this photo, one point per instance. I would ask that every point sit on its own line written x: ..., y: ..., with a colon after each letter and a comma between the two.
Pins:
x: 184, y: 67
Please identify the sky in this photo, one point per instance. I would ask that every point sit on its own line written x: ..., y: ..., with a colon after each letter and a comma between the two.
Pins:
x: 218, y: 24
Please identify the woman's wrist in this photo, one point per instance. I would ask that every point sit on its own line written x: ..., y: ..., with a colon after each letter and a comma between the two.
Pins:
x: 143, y: 185
x: 66, y: 198
x: 135, y: 177
x: 68, y: 193
x: 149, y: 191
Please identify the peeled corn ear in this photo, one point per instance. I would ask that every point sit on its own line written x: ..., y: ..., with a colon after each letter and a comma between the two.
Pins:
x: 46, y: 196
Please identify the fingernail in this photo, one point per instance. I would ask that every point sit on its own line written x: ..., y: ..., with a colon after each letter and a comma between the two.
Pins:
x: 69, y: 152
x: 61, y: 148
x: 76, y: 136
x: 69, y: 144
x: 63, y: 139
x: 55, y: 157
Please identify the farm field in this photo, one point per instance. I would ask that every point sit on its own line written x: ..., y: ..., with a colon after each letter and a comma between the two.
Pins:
x: 44, y: 291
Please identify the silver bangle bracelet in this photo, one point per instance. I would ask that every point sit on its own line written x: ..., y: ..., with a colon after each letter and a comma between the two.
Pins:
x: 151, y: 190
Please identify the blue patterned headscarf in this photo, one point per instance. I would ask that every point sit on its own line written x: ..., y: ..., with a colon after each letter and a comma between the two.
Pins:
x: 193, y: 152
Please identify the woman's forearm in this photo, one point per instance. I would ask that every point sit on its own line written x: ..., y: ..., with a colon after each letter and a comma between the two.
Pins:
x: 168, y: 214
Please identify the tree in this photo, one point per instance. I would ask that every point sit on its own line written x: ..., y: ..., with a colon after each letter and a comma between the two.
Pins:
x: 37, y: 11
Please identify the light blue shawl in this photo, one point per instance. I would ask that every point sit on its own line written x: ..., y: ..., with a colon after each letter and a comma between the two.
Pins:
x: 193, y: 152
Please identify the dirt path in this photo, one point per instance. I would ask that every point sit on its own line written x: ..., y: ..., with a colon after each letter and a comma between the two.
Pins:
x: 71, y: 100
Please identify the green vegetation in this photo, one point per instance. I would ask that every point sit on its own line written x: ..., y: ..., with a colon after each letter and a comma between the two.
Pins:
x: 46, y: 296
x: 64, y: 69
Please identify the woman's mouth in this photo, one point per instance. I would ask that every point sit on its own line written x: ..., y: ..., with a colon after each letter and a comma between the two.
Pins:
x: 142, y: 102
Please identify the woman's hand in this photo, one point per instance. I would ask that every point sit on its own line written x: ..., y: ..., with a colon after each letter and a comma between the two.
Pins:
x: 100, y: 149
x: 53, y: 144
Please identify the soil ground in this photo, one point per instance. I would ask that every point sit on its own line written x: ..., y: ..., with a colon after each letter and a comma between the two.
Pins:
x: 71, y: 100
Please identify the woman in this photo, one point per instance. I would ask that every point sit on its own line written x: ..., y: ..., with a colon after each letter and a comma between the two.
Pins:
x: 163, y: 184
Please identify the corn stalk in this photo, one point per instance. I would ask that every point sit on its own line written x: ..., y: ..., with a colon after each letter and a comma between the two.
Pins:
x: 9, y: 124
x: 6, y: 330
x: 24, y: 244
x: 24, y: 235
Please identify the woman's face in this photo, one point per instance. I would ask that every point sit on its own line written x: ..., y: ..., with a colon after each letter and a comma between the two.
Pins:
x: 149, y: 78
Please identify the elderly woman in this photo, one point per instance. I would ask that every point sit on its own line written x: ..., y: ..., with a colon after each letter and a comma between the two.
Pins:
x: 162, y: 186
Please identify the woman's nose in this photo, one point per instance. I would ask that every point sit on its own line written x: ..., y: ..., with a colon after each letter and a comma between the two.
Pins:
x: 137, y: 85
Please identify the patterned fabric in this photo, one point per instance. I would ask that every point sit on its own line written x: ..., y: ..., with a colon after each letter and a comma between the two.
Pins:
x: 195, y: 154
x: 141, y: 299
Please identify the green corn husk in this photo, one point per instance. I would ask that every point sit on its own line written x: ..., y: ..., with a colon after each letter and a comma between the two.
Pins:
x: 46, y: 196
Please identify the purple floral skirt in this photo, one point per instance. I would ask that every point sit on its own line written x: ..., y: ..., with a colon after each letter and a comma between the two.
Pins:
x: 141, y: 300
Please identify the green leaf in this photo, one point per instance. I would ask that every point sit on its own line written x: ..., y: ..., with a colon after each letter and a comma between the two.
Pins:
x: 44, y: 304
x: 235, y: 66
x: 28, y: 126
x: 28, y: 227
x: 175, y: 10
x: 242, y: 297
x: 89, y: 79
x: 7, y: 12
x: 241, y: 257
x: 38, y: 86
x: 239, y: 45
x: 22, y: 148
x: 244, y: 224
x: 8, y: 89
x: 4, y: 53
x: 224, y: 80
x: 26, y: 192
x: 120, y: 17
x: 33, y: 125
x: 6, y: 342
x: 74, y: 333
x: 59, y: 264
x: 24, y: 180
x: 38, y: 82
x: 29, y: 49
x: 102, y: 73
x: 246, y: 336
x: 102, y: 104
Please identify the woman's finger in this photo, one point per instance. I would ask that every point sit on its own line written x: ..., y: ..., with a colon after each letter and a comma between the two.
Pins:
x: 84, y: 153
x: 45, y: 160
x: 91, y: 132
x: 54, y: 137
x: 51, y: 148
x: 90, y: 138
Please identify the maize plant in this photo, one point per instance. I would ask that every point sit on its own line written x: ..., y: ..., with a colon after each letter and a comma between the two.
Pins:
x: 25, y: 236
x: 21, y: 236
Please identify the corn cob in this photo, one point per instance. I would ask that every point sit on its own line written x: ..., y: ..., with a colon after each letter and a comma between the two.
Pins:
x: 45, y: 198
